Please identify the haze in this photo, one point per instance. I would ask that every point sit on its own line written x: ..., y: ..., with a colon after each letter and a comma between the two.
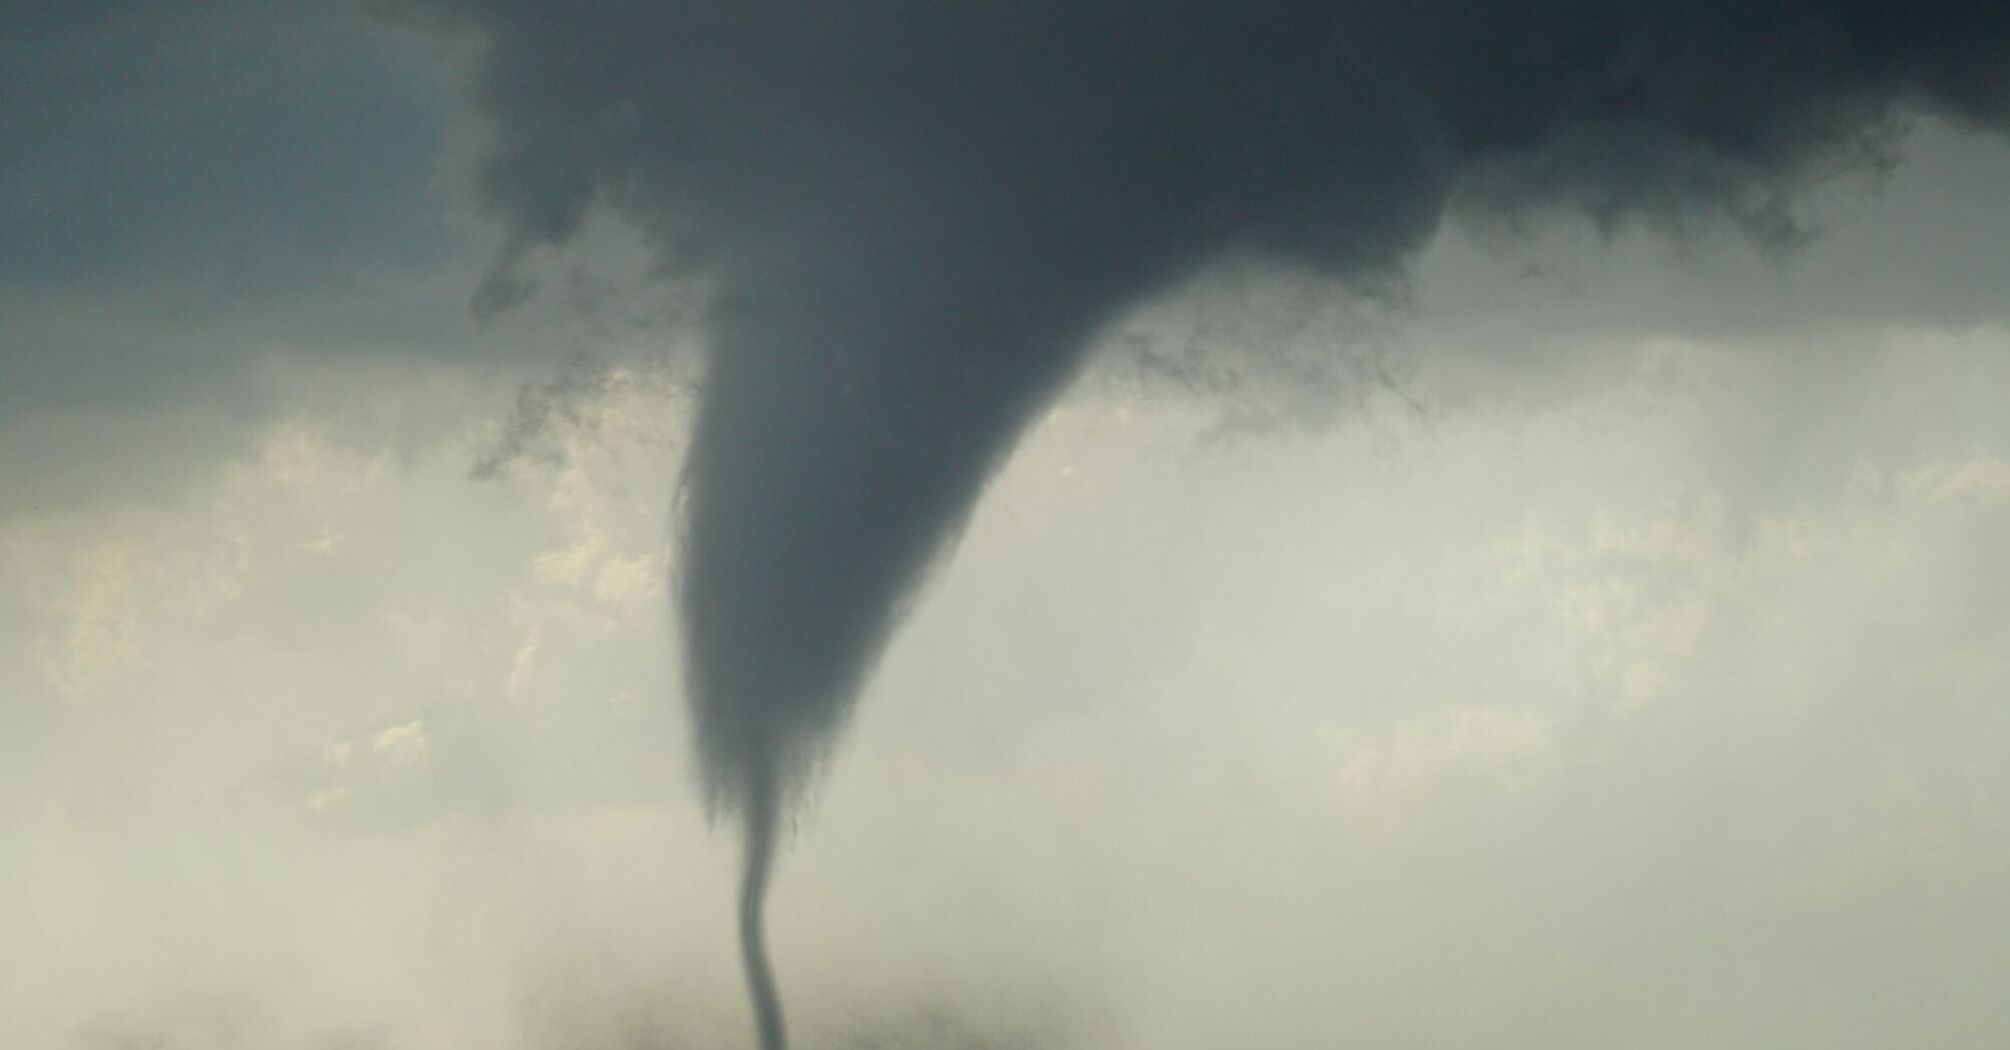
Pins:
x: 1585, y: 626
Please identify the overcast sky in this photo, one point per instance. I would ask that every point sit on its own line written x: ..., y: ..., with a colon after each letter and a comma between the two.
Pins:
x: 1588, y: 630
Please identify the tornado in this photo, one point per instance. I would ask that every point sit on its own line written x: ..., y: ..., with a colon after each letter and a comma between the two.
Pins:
x: 837, y: 451
x: 914, y: 216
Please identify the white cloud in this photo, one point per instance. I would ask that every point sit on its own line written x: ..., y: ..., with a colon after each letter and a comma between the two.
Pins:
x: 402, y: 744
x: 1543, y: 709
x: 1979, y: 478
x: 97, y: 617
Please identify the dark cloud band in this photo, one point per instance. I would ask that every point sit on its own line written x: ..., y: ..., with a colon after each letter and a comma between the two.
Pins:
x: 917, y: 214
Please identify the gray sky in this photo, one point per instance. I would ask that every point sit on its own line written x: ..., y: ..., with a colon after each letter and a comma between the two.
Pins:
x: 1570, y: 637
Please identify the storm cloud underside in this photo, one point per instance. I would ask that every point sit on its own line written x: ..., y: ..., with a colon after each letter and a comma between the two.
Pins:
x: 915, y: 216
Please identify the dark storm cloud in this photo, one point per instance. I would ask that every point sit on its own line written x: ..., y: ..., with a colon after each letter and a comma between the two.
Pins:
x: 1915, y: 245
x: 916, y: 215
x: 154, y: 140
x: 184, y: 186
